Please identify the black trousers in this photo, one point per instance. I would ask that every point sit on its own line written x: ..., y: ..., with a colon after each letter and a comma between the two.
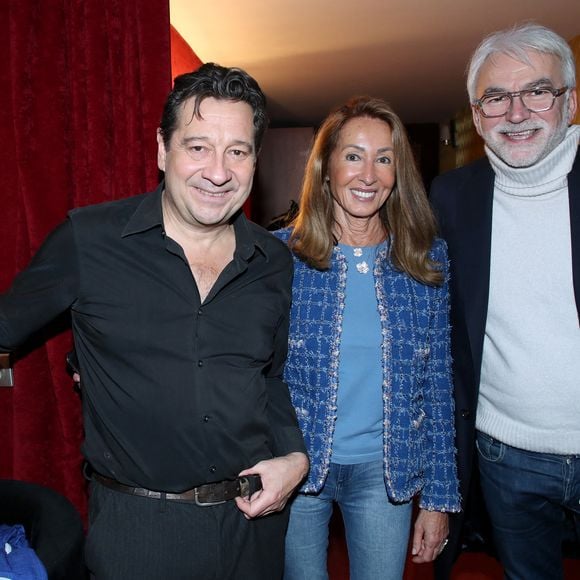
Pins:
x: 134, y: 538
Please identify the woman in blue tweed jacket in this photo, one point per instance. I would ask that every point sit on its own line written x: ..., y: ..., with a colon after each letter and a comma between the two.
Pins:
x: 368, y: 365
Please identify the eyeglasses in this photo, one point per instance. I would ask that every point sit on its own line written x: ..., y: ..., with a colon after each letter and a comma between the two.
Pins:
x: 535, y: 100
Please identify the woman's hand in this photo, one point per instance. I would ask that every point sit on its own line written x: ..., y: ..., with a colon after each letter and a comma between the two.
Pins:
x: 429, y: 535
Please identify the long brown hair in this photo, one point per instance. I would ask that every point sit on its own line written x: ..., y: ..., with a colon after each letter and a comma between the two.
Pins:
x: 406, y: 215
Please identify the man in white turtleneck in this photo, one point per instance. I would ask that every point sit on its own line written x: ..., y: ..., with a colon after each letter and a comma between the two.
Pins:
x: 512, y: 223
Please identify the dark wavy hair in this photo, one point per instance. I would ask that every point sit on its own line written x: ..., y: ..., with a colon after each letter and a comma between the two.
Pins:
x: 219, y: 82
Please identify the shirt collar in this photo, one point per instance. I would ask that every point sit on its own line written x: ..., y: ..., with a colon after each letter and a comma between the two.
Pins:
x: 246, y: 240
x: 148, y: 214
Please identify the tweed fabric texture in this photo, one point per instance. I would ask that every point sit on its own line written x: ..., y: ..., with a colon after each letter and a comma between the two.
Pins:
x: 418, y: 434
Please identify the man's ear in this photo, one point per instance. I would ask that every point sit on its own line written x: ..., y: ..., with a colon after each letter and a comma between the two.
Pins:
x: 161, y: 152
x: 476, y: 119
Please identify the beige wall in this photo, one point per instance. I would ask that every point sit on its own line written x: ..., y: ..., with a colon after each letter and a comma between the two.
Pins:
x: 575, y: 44
x: 280, y: 169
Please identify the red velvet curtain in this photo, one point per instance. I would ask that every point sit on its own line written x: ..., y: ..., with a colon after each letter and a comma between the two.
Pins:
x: 83, y: 84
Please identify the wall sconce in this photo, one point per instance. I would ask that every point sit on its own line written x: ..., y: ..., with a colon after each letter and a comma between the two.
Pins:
x: 447, y: 133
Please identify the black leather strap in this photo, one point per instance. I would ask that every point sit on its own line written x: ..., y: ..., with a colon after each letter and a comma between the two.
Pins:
x: 207, y: 494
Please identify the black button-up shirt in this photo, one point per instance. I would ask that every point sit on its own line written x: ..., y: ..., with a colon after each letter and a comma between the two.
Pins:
x: 175, y: 392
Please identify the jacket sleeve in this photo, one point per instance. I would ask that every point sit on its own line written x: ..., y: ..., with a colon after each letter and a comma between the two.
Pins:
x: 45, y: 289
x: 441, y: 490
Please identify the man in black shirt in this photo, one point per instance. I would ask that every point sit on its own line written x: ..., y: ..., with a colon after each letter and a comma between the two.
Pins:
x: 180, y: 310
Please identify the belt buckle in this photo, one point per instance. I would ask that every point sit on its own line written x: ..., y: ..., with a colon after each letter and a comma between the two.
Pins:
x: 244, y: 486
x: 204, y: 503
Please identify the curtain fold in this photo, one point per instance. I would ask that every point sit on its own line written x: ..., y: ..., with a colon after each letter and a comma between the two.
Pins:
x: 83, y: 87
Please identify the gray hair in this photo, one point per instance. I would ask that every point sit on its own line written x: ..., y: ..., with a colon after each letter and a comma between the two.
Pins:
x: 516, y: 42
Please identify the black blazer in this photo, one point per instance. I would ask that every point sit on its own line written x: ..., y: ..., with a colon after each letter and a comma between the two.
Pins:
x: 462, y: 200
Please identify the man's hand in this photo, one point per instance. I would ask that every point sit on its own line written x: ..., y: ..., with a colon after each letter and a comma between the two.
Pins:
x: 429, y: 536
x: 280, y: 477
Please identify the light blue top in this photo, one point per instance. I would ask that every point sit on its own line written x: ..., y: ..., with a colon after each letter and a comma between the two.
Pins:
x: 358, y: 435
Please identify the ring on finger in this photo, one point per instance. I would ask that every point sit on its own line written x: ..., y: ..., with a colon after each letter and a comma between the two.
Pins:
x: 442, y: 546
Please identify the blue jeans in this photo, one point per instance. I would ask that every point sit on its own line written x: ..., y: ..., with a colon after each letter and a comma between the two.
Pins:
x: 529, y: 496
x: 377, y: 531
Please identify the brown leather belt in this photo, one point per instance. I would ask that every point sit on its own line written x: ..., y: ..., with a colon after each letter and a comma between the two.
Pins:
x: 203, y: 495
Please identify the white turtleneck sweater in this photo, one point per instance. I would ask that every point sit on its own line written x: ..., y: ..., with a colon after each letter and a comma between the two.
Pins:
x: 530, y: 379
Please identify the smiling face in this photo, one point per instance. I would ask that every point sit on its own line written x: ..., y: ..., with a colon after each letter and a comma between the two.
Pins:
x: 522, y: 138
x: 361, y: 171
x: 209, y: 165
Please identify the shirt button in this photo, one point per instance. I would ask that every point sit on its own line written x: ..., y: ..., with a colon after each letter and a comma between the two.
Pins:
x: 107, y: 455
x: 206, y: 418
x: 200, y: 363
x: 212, y: 468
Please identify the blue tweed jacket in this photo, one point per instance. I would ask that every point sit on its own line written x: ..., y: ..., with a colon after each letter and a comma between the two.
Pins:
x: 418, y: 439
